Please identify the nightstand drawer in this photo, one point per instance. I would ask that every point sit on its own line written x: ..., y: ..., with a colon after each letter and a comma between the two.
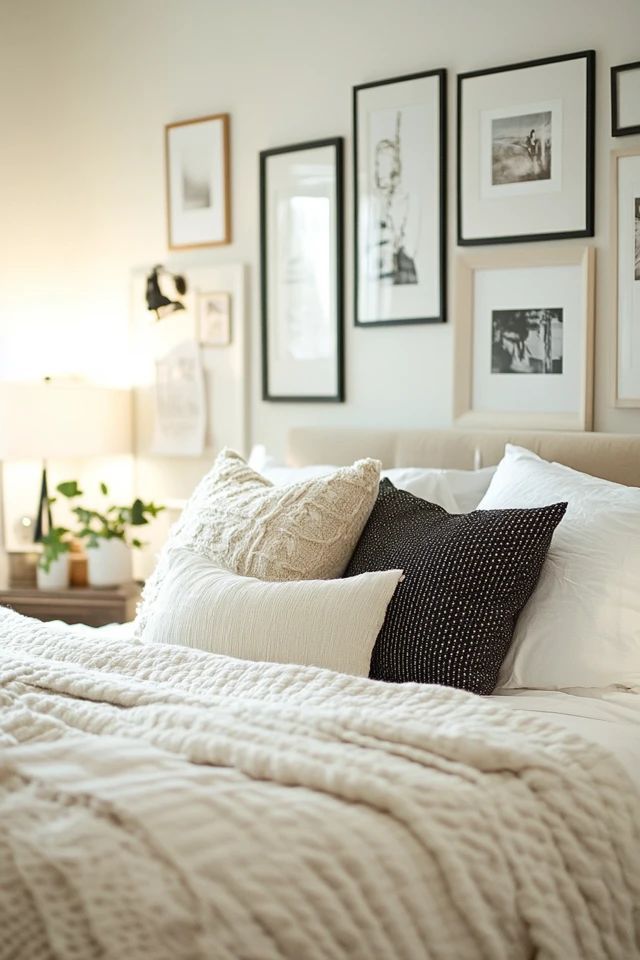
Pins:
x: 76, y: 605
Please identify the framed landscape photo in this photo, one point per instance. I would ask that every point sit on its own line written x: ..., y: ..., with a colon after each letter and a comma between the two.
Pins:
x: 625, y: 99
x: 301, y: 258
x: 524, y: 339
x: 625, y: 251
x: 526, y: 151
x: 400, y: 162
x: 197, y: 171
x: 214, y: 319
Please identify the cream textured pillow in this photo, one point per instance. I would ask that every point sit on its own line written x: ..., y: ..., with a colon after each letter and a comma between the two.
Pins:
x: 324, y: 623
x: 240, y: 521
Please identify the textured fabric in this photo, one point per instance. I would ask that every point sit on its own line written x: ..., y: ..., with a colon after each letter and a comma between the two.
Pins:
x: 466, y: 579
x: 159, y: 802
x: 581, y: 628
x: 327, y: 623
x: 240, y: 521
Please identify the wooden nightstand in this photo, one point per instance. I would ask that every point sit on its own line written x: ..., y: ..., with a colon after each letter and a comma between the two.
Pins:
x: 89, y: 605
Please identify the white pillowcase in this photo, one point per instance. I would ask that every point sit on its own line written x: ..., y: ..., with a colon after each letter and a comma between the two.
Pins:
x: 581, y: 627
x: 325, y: 623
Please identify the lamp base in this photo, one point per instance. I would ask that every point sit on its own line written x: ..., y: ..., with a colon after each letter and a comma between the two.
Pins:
x: 43, y: 515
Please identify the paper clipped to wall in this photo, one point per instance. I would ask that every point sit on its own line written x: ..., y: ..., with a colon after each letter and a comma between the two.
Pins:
x: 180, y: 407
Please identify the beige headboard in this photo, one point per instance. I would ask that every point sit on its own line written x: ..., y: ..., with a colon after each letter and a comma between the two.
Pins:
x: 608, y: 455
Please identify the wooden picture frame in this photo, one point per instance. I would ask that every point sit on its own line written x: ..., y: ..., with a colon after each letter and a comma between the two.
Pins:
x: 198, y: 182
x: 625, y: 285
x: 624, y: 71
x: 544, y: 180
x: 302, y: 272
x: 474, y: 330
x: 407, y: 116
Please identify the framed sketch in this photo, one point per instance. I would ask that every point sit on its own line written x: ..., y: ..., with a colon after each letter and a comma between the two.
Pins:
x: 197, y: 171
x: 524, y: 339
x: 301, y: 258
x: 526, y: 151
x: 400, y: 167
x: 625, y: 99
x: 625, y: 251
x: 214, y: 319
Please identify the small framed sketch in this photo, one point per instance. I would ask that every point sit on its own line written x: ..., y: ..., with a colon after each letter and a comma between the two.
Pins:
x: 214, y: 319
x: 625, y: 99
x: 524, y: 339
x: 400, y: 167
x: 197, y: 171
x: 625, y: 250
x: 301, y: 258
x: 526, y: 151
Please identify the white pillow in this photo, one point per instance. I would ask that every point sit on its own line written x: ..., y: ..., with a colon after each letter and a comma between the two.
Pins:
x: 326, y: 623
x: 581, y: 627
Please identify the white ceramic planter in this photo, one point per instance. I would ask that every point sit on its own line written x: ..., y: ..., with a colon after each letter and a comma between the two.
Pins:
x: 109, y: 563
x: 56, y: 577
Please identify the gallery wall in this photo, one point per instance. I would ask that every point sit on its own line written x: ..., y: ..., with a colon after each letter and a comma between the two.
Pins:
x: 85, y: 89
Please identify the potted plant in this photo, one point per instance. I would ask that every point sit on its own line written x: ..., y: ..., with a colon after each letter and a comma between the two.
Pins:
x: 52, y: 571
x: 106, y: 535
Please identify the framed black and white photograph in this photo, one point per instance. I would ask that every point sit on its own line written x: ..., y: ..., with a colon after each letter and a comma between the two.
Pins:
x: 400, y: 199
x: 625, y: 99
x: 526, y: 151
x: 524, y: 339
x: 198, y: 186
x: 214, y: 319
x: 625, y: 251
x: 301, y: 254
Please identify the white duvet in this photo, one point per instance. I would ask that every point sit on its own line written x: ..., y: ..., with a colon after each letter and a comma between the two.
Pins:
x: 159, y: 802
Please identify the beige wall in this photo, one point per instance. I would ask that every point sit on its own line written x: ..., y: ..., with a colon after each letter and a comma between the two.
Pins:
x: 85, y: 88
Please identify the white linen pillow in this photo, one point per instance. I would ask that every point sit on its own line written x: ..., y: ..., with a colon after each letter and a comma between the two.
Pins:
x: 324, y: 623
x: 581, y: 627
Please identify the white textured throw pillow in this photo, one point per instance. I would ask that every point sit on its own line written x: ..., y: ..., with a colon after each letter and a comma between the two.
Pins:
x: 239, y: 520
x: 325, y: 623
x: 581, y: 627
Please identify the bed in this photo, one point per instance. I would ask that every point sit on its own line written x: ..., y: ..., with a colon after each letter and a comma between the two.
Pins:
x: 158, y: 801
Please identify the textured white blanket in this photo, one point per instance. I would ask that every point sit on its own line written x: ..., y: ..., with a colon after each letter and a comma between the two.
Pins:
x: 157, y: 802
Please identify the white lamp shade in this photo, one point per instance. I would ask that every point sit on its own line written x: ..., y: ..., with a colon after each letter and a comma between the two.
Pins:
x: 63, y: 420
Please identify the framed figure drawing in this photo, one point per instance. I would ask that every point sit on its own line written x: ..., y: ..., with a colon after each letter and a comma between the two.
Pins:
x: 400, y: 199
x: 526, y: 151
x: 301, y: 258
x: 214, y: 319
x: 625, y: 99
x: 524, y: 338
x: 197, y: 171
x: 625, y: 251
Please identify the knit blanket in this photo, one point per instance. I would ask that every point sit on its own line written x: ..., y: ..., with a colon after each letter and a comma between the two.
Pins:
x: 159, y: 803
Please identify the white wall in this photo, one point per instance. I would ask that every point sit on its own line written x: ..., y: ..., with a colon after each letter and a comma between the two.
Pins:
x: 86, y: 86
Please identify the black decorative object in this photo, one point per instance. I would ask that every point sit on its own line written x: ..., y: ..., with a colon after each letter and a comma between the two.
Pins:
x: 466, y: 579
x: 156, y: 300
x: 625, y: 103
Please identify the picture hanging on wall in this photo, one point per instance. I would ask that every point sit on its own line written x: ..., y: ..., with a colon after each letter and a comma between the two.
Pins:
x: 526, y: 151
x: 301, y: 255
x: 214, y: 319
x: 625, y: 250
x: 524, y: 339
x: 197, y: 172
x: 625, y: 99
x: 399, y: 132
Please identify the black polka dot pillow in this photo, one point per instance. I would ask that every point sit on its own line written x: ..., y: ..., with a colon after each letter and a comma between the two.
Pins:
x: 467, y: 577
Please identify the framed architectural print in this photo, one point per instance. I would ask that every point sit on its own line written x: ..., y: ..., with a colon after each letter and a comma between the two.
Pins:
x: 526, y: 151
x: 301, y: 258
x: 524, y: 338
x: 214, y: 319
x: 400, y: 164
x: 197, y: 171
x: 625, y: 252
x: 625, y: 99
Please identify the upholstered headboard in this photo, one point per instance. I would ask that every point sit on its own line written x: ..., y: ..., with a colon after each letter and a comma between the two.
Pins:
x: 610, y: 456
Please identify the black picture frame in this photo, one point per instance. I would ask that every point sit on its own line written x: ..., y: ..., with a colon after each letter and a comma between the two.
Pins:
x: 337, y: 143
x: 441, y: 317
x: 590, y: 121
x: 616, y: 129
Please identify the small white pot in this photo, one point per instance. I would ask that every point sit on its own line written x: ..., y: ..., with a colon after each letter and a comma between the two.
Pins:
x: 56, y: 577
x: 109, y: 563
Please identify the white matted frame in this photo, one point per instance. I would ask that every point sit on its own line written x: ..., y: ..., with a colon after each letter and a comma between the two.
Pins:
x: 510, y: 281
x: 625, y: 283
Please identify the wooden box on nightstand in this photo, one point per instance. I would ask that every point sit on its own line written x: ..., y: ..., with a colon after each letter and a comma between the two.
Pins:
x: 91, y: 605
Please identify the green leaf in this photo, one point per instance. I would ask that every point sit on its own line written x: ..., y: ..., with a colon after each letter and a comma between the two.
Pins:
x: 104, y: 489
x: 69, y: 489
x: 137, y: 513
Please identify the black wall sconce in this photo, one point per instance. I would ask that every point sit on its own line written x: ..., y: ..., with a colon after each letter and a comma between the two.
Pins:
x: 156, y: 300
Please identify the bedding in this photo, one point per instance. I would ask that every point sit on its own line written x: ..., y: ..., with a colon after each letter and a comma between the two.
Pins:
x: 328, y: 623
x: 581, y: 627
x: 157, y: 801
